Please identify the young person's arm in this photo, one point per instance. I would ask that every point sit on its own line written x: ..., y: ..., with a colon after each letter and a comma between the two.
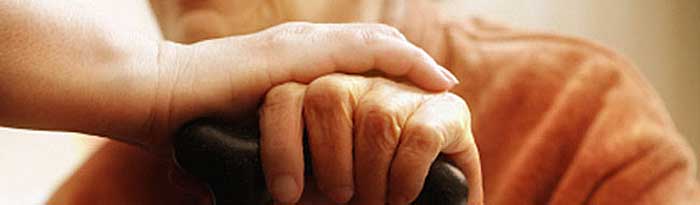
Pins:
x: 68, y: 66
x: 86, y: 66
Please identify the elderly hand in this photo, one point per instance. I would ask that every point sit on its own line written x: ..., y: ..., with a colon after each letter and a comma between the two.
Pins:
x: 371, y: 139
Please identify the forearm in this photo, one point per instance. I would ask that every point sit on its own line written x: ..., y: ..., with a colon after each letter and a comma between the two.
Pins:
x: 62, y: 68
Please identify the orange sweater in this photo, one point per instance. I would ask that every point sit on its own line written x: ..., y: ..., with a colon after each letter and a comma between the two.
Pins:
x: 558, y: 120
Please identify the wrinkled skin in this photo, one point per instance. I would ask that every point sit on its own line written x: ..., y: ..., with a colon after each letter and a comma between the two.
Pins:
x: 370, y: 138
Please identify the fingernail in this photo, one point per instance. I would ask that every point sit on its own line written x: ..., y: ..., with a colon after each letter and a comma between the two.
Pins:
x: 342, y: 195
x: 284, y: 188
x: 449, y: 76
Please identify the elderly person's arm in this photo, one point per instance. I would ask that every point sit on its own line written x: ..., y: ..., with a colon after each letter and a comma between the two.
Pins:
x: 561, y: 120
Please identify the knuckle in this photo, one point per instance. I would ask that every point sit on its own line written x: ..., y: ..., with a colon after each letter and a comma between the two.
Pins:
x: 380, y: 126
x: 281, y: 95
x: 455, y: 99
x: 388, y: 30
x: 284, y: 91
x: 368, y: 37
x: 325, y: 92
x: 375, y: 33
x: 331, y: 80
x: 297, y: 27
x: 424, y: 137
x: 281, y: 36
x: 455, y: 130
x: 369, y: 34
x: 460, y: 105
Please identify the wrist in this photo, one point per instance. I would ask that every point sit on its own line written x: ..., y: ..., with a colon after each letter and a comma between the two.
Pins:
x: 158, y: 118
x: 121, y: 96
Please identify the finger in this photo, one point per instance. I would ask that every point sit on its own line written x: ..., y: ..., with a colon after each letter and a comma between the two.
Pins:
x: 468, y: 162
x: 392, y: 56
x: 281, y: 150
x: 328, y: 118
x: 312, y: 195
x: 319, y: 49
x: 330, y: 138
x: 377, y: 136
x: 464, y: 154
x: 440, y: 123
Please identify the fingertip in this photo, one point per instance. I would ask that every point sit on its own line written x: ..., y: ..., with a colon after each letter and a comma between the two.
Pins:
x: 435, y: 78
x: 342, y: 195
x: 469, y: 164
x: 447, y: 78
x: 285, y: 189
x: 450, y: 77
x: 394, y: 199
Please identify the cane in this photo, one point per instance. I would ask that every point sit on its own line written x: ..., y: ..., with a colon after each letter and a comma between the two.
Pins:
x: 227, y: 158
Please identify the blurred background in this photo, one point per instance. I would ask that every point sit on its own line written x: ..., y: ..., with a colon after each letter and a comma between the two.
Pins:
x: 662, y: 37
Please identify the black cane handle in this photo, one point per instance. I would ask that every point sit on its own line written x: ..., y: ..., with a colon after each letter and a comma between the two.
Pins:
x: 227, y: 158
